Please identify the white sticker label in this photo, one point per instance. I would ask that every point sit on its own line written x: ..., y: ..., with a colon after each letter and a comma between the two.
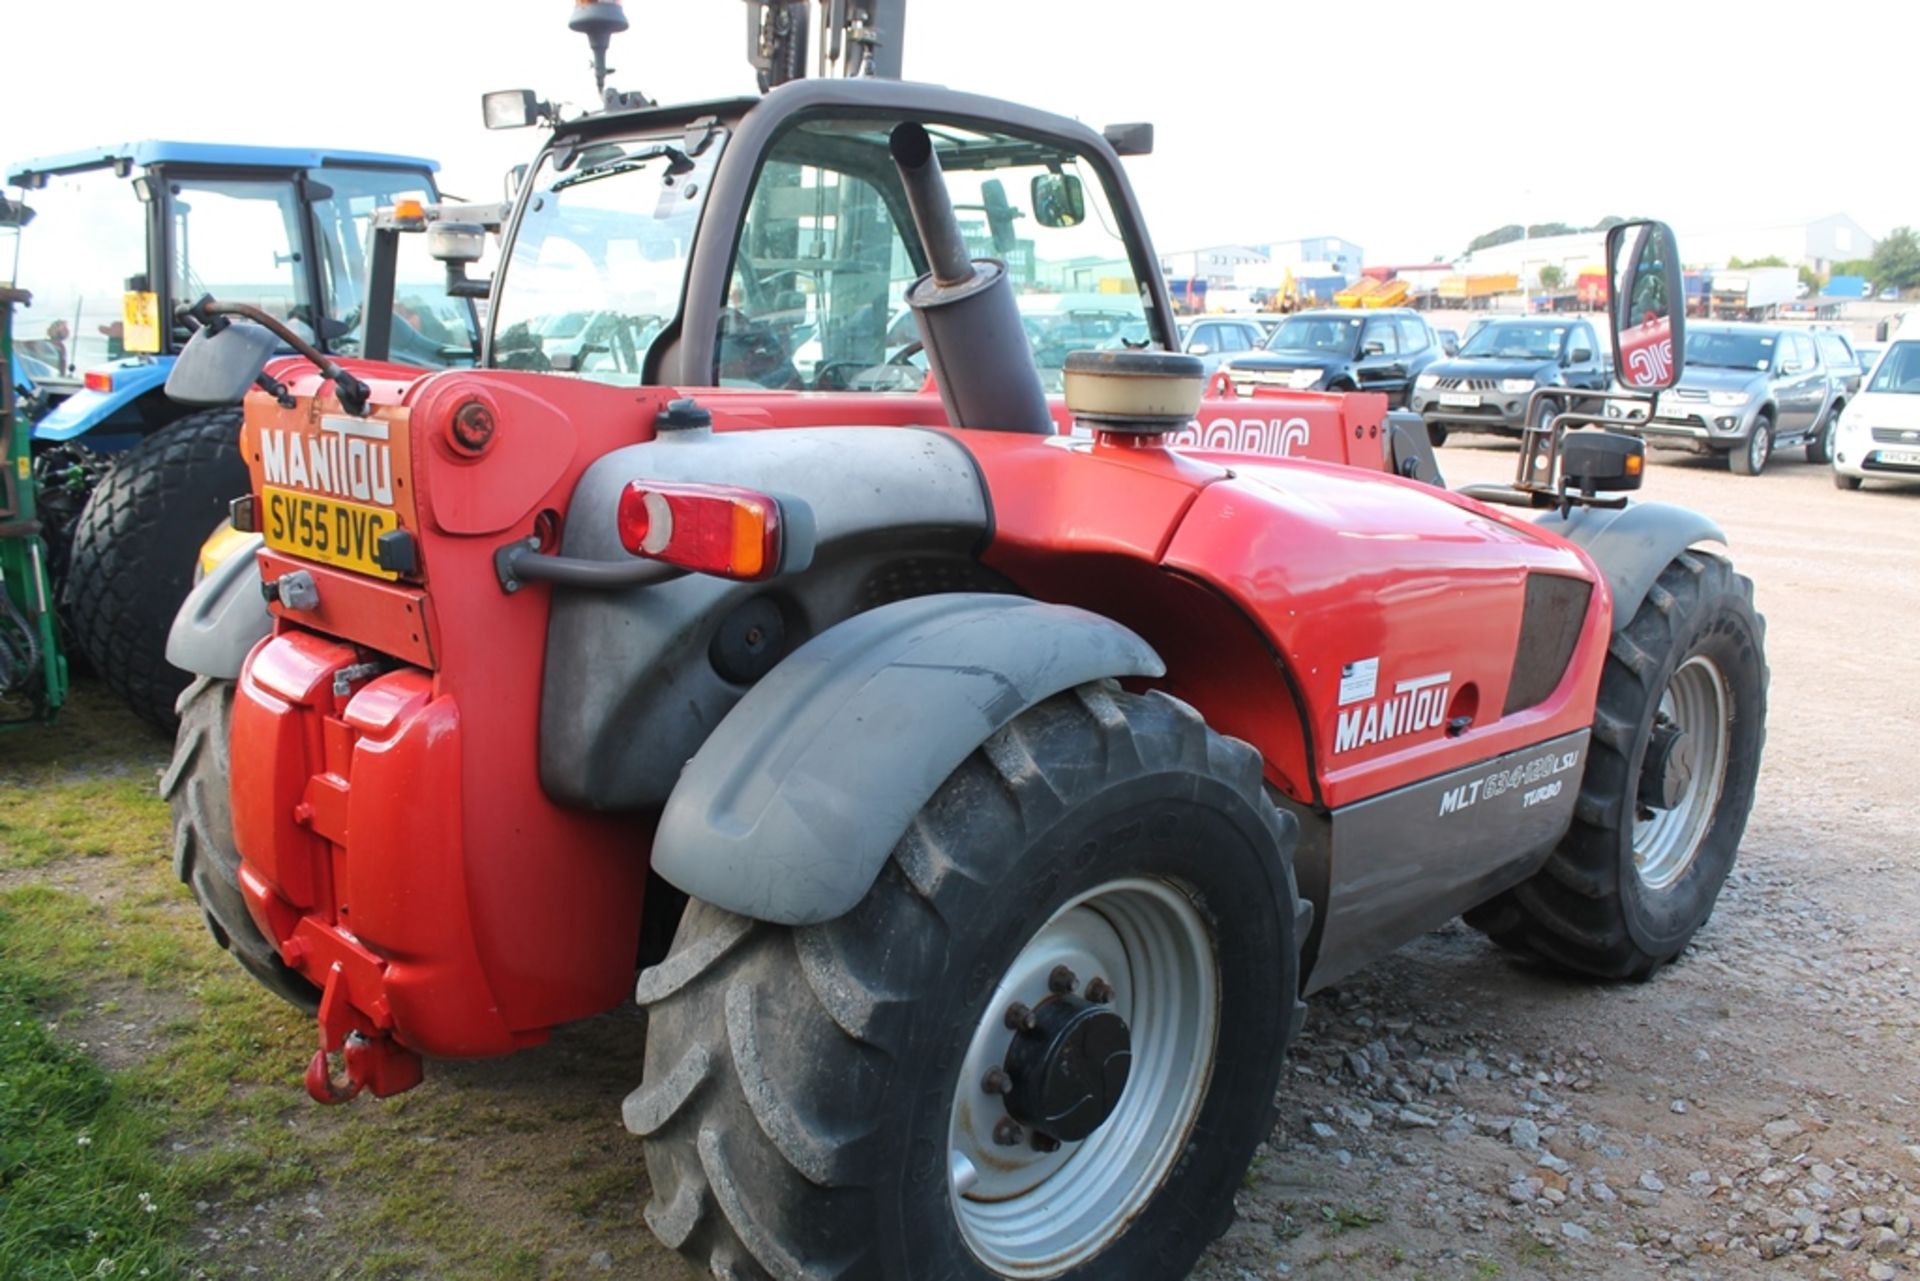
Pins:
x: 1359, y: 681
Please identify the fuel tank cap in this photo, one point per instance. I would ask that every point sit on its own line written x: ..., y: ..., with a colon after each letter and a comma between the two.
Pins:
x: 1141, y: 393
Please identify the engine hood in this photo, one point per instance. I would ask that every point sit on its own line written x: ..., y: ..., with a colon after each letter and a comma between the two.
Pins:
x: 1494, y: 367
x: 1702, y: 378
x: 1280, y: 362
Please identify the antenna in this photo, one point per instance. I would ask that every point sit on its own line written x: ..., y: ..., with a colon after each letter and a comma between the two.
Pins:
x: 599, y: 21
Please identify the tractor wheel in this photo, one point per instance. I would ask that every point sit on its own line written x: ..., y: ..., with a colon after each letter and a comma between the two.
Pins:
x: 1046, y: 1043
x: 204, y: 856
x: 1669, y: 781
x: 1820, y: 445
x: 134, y: 552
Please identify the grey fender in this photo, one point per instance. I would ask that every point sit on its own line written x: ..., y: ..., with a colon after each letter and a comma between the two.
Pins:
x: 222, y: 619
x: 789, y: 809
x: 1632, y: 544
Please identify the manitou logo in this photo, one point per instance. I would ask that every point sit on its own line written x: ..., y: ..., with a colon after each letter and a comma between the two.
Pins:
x: 350, y: 458
x: 1414, y: 705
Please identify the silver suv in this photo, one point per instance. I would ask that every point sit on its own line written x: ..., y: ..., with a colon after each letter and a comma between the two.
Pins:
x: 1746, y: 391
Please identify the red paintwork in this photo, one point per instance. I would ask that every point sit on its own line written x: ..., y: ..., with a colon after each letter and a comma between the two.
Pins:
x: 397, y: 845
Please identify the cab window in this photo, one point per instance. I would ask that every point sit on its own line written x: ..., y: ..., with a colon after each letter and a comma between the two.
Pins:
x: 817, y: 293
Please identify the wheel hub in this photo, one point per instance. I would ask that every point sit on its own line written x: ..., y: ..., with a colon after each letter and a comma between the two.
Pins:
x: 1068, y: 1068
x: 1672, y: 756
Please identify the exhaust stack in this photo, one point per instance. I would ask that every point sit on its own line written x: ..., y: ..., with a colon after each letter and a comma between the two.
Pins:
x: 965, y: 310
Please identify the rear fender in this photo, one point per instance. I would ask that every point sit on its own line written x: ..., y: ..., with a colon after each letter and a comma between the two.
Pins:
x: 1632, y: 544
x: 222, y: 619
x: 81, y: 412
x: 788, y: 811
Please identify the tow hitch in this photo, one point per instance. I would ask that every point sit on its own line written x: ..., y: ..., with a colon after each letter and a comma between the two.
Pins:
x: 371, y: 1061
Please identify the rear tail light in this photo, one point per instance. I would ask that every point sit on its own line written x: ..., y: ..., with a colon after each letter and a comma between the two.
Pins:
x: 710, y: 529
x: 98, y: 380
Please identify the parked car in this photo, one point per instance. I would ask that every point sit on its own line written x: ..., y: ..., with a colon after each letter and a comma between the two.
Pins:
x: 1879, y: 434
x: 1335, y: 350
x: 1489, y: 386
x: 1217, y: 339
x: 1747, y: 391
x: 1843, y: 362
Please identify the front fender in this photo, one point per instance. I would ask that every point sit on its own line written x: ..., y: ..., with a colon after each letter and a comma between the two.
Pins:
x: 1632, y: 544
x: 81, y: 412
x: 789, y: 809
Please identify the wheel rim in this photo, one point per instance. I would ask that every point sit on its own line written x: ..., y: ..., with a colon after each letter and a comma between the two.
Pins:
x: 1665, y: 842
x: 1761, y: 445
x: 1030, y: 1213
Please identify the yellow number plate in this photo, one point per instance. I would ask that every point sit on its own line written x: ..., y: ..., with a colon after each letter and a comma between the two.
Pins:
x: 326, y: 529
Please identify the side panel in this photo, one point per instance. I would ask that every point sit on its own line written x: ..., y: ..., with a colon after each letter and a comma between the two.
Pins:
x: 1397, y: 608
x: 1407, y: 861
x: 85, y: 410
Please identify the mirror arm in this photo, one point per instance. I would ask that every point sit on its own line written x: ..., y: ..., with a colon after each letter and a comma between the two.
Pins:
x: 353, y: 393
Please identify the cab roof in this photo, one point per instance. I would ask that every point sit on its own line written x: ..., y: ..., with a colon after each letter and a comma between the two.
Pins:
x: 153, y: 151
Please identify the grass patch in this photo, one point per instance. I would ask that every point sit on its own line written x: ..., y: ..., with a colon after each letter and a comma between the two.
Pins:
x: 82, y: 1189
x: 92, y: 819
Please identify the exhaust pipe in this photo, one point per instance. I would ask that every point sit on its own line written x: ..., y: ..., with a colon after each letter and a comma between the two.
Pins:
x: 965, y: 310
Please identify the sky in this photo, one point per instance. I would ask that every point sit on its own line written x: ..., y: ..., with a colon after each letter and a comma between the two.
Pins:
x: 1406, y: 127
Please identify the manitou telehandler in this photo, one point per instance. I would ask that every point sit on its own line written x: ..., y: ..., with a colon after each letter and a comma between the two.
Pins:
x: 976, y: 798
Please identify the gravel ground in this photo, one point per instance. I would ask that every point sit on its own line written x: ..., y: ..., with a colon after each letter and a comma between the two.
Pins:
x: 1753, y: 1110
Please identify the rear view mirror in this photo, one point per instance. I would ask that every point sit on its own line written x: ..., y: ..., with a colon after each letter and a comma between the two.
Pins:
x: 1000, y: 215
x: 509, y: 108
x: 220, y: 362
x: 1058, y: 200
x: 1645, y: 310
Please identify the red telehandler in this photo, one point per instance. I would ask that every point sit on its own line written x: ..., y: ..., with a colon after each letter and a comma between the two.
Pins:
x: 978, y: 778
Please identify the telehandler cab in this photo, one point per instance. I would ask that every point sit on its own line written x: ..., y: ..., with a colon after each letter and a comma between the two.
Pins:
x: 978, y: 779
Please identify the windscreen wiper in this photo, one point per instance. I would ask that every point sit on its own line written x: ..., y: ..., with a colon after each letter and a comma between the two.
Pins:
x: 678, y: 162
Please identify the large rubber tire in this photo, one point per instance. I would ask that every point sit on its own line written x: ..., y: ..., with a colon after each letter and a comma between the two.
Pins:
x: 134, y: 552
x: 1845, y: 482
x: 1820, y: 444
x: 801, y: 1083
x: 204, y: 855
x: 1589, y: 909
x: 1749, y: 457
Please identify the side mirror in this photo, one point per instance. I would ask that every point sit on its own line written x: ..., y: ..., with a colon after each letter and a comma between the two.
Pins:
x: 509, y: 108
x: 1134, y: 138
x: 1200, y: 349
x: 1000, y: 215
x: 1374, y: 348
x: 1645, y: 314
x: 220, y: 362
x: 1058, y: 200
x: 1580, y: 356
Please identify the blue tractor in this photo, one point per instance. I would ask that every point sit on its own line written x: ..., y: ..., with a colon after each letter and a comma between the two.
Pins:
x: 112, y: 241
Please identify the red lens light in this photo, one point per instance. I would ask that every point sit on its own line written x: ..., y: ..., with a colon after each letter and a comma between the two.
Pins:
x: 98, y: 380
x: 711, y: 529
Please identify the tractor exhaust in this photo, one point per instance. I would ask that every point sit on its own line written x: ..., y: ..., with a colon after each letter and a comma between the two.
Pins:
x: 964, y: 307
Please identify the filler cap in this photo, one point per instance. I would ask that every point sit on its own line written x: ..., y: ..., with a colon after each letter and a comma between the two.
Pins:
x: 1143, y: 393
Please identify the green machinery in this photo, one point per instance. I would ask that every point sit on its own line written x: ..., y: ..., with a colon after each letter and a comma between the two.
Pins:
x: 33, y: 671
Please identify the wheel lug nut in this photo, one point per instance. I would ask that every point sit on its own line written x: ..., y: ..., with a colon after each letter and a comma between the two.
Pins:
x: 1061, y: 981
x: 1019, y: 1017
x: 996, y: 1081
x: 1008, y: 1132
x: 1099, y: 991
x: 1045, y: 1142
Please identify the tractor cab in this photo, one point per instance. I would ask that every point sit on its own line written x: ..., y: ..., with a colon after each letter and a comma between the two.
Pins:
x: 113, y: 240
